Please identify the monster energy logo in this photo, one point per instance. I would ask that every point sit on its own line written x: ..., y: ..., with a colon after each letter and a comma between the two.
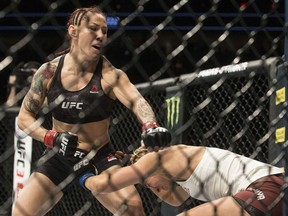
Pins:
x: 173, y: 110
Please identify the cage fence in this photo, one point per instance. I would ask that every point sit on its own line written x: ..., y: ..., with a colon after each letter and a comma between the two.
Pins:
x: 209, y: 69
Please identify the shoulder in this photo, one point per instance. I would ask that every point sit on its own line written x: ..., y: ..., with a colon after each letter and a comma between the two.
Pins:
x: 108, y: 67
x: 148, y: 163
x: 45, y: 73
x: 182, y: 149
x: 47, y: 70
x: 111, y: 73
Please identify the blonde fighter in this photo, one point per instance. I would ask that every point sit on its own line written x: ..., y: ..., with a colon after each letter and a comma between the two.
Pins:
x: 229, y: 183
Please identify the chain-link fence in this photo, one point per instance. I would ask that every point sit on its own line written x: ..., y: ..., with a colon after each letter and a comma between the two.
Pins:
x: 160, y: 44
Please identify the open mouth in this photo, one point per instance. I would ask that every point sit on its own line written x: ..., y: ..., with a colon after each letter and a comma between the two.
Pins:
x: 96, y: 47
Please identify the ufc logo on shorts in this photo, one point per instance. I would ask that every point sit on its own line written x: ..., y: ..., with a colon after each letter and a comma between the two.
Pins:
x: 81, y: 164
x: 259, y: 194
x: 71, y: 105
x: 64, y: 143
x: 79, y: 154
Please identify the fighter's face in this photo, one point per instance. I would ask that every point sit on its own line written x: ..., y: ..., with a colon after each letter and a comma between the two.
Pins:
x: 92, y: 34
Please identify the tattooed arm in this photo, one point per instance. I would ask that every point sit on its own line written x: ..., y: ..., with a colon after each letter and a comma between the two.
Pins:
x: 129, y: 96
x: 116, y: 84
x: 33, y: 102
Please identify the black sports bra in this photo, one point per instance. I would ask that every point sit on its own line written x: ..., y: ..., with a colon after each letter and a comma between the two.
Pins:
x: 89, y: 104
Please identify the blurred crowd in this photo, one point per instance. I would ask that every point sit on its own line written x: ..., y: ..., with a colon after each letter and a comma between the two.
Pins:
x: 19, y: 81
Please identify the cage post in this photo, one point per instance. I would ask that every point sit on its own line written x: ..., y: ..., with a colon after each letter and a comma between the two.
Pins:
x: 175, y: 112
x: 284, y: 82
x: 174, y: 121
x: 285, y: 206
x: 286, y: 31
x: 279, y: 152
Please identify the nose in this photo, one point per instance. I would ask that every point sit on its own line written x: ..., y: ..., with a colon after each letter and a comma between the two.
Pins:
x: 100, y: 35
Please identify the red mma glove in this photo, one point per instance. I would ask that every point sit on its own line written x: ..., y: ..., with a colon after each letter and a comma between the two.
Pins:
x: 65, y: 141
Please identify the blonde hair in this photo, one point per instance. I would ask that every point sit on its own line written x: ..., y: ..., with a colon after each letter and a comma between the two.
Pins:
x: 137, y: 154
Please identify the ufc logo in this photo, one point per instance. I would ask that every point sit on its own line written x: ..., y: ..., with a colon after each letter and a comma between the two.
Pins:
x: 82, y: 163
x: 71, y: 105
x: 79, y: 154
x: 64, y: 143
x: 158, y: 129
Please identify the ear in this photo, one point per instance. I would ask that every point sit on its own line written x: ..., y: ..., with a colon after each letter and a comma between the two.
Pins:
x: 72, y: 30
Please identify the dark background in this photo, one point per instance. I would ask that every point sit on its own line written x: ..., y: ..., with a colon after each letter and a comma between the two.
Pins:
x: 18, y: 17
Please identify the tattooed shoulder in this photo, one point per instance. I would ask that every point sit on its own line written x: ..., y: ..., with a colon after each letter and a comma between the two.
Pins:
x: 49, y: 70
x: 45, y: 73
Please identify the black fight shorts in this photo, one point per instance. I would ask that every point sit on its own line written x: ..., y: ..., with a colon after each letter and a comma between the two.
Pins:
x: 57, y: 168
x: 263, y: 197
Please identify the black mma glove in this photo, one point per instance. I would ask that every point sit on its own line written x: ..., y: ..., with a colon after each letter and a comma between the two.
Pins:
x: 65, y: 141
x: 153, y: 135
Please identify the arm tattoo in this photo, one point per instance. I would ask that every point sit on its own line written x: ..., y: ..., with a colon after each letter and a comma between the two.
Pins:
x: 31, y: 104
x: 145, y: 111
x: 49, y: 71
x: 37, y: 85
x: 39, y: 78
x: 35, y: 96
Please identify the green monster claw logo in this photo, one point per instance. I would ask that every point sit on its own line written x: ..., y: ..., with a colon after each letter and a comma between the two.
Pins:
x: 173, y: 110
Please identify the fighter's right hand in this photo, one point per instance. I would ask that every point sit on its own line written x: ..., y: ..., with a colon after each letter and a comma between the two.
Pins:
x: 65, y: 141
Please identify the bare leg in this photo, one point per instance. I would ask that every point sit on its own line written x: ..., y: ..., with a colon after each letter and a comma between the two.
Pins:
x: 226, y: 206
x: 37, y: 197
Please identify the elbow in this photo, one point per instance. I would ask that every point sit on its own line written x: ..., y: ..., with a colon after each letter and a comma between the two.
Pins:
x: 19, y: 130
x: 23, y: 121
x: 20, y: 123
x: 25, y: 118
x: 24, y: 125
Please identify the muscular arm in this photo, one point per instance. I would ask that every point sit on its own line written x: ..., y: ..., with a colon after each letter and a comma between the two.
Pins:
x: 130, y: 175
x: 33, y: 102
x: 122, y: 177
x: 109, y: 182
x: 145, y: 167
x: 129, y: 96
x: 174, y: 197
